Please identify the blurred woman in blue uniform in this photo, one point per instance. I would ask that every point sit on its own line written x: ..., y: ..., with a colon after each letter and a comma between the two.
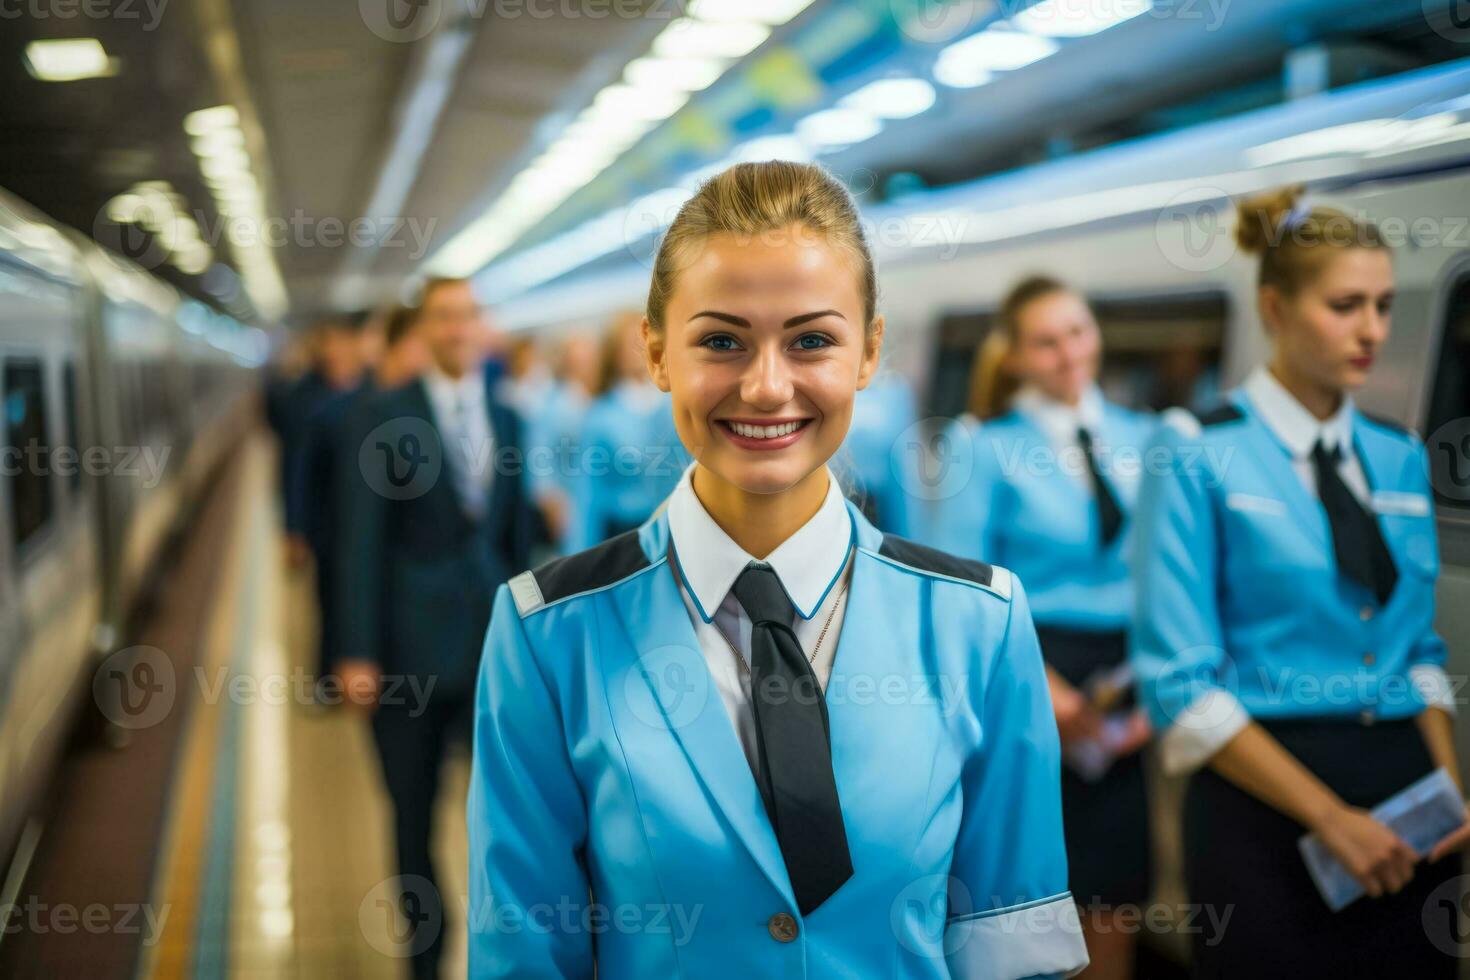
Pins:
x: 872, y: 462
x: 1284, y: 640
x: 630, y: 456
x: 555, y: 430
x: 711, y: 746
x: 1046, y: 500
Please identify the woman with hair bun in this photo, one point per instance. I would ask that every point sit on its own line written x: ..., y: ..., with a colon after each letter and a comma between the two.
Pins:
x: 1283, y: 635
x: 756, y: 736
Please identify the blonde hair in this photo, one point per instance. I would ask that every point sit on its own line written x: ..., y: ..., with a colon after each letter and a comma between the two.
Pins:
x: 610, y: 358
x: 750, y: 199
x: 992, y: 383
x: 1294, y: 241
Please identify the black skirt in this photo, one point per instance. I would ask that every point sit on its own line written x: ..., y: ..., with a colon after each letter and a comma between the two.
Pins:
x: 1241, y: 859
x: 1106, y: 822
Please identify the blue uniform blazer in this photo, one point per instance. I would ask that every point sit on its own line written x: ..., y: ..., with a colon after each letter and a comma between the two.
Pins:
x: 1023, y: 507
x: 613, y: 817
x: 1239, y: 593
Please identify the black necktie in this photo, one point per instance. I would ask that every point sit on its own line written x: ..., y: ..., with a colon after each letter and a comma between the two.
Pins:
x: 793, y: 744
x: 1357, y: 542
x: 1110, y: 515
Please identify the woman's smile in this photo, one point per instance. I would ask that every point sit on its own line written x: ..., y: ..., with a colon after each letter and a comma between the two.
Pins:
x: 762, y: 434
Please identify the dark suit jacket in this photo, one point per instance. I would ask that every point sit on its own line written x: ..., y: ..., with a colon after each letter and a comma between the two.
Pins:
x: 416, y: 577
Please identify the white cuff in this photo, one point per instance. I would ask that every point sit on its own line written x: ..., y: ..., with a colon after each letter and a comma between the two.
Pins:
x: 1041, y: 938
x: 1201, y: 730
x: 1433, y: 685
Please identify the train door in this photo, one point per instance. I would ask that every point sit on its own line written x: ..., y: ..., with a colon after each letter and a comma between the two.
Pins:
x: 1447, y: 441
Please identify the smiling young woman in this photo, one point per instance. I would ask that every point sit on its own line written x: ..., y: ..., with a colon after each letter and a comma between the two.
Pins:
x: 756, y: 736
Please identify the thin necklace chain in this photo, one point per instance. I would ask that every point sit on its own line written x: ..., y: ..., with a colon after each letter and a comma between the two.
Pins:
x: 816, y: 648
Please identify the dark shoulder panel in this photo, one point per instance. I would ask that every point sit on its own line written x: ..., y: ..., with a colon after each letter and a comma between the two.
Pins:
x: 1221, y: 414
x: 601, y: 565
x: 928, y: 559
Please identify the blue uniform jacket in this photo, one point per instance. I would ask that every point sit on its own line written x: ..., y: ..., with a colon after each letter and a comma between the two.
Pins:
x: 1241, y: 611
x: 613, y: 817
x: 1024, y: 507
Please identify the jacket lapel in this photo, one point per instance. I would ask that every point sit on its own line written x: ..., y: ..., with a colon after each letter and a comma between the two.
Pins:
x: 1275, y: 458
x: 655, y: 621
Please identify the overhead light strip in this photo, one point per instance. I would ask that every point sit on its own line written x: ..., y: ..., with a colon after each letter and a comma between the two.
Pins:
x: 708, y: 40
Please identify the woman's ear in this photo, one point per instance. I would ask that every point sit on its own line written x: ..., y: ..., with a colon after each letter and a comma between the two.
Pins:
x: 1272, y: 306
x: 655, y: 354
x: 872, y: 352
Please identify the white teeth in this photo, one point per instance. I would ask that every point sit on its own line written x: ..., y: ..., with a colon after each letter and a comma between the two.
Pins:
x: 764, y: 431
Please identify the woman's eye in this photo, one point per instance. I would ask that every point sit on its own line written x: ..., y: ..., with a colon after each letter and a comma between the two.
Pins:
x: 1344, y: 306
x: 813, y: 341
x: 720, y: 342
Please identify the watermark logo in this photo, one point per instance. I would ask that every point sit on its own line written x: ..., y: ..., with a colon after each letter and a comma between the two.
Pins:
x: 1450, y: 19
x: 933, y: 459
x: 1448, y: 449
x: 401, y: 21
x: 1446, y: 917
x: 135, y: 687
x: 918, y: 915
x: 1193, y: 229
x: 669, y: 688
x: 401, y: 916
x: 401, y: 459
x: 939, y: 21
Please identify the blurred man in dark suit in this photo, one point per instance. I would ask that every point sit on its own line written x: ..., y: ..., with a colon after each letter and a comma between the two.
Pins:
x: 435, y: 519
x: 318, y: 512
x: 337, y: 366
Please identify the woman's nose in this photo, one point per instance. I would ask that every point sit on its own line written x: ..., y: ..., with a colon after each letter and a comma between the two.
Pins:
x: 767, y: 381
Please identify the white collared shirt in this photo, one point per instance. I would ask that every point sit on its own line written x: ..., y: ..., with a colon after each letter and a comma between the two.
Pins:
x: 1299, y: 430
x: 1059, y: 422
x: 474, y: 448
x: 814, y: 566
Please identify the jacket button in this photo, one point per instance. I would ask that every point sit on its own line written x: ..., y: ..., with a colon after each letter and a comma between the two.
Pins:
x: 1366, y: 717
x: 782, y: 927
x: 1366, y: 613
x: 1368, y: 659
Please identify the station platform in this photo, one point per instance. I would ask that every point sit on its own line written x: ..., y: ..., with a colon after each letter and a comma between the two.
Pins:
x: 241, y: 830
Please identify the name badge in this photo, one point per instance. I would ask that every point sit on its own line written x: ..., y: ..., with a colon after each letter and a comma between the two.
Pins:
x: 1249, y: 503
x: 1399, y: 502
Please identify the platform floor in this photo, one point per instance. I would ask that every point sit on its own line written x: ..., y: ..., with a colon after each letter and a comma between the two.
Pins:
x: 246, y: 834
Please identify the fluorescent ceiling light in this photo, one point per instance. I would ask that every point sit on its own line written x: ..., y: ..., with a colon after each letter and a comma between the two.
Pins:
x: 68, y: 60
x: 993, y: 50
x: 688, y: 74
x: 772, y: 12
x: 1078, y: 18
x: 686, y: 38
x: 838, y: 127
x: 956, y: 73
x: 891, y: 98
x: 208, y: 120
x: 625, y: 101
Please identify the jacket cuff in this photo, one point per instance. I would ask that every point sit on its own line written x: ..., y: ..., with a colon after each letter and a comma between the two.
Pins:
x: 1433, y: 685
x: 1041, y: 938
x: 1201, y: 730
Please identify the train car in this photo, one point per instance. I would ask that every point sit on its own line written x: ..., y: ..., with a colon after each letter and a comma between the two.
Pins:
x: 120, y: 401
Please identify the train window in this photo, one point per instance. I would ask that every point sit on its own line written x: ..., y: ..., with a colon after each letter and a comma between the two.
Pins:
x: 1448, y: 424
x: 73, y: 436
x: 1161, y: 351
x: 26, y: 442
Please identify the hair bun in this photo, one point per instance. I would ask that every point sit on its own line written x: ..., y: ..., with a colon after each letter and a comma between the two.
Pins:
x: 1258, y: 218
